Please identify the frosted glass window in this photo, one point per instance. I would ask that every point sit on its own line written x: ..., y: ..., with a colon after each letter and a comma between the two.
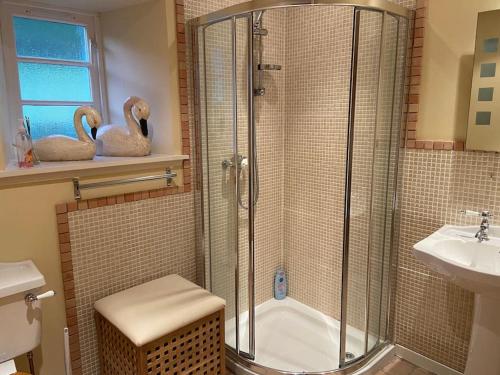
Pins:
x: 50, y: 40
x: 485, y: 94
x: 49, y: 120
x: 483, y: 118
x: 488, y: 70
x: 49, y: 82
x: 52, y: 62
x: 490, y: 45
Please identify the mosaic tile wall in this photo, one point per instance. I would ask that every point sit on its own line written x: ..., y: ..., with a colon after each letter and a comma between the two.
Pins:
x: 317, y: 78
x: 317, y: 75
x: 433, y: 316
x: 119, y: 246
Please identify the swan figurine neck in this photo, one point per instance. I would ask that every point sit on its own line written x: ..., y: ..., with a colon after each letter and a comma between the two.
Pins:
x: 93, y: 119
x: 64, y: 148
x: 129, y: 140
x: 135, y: 108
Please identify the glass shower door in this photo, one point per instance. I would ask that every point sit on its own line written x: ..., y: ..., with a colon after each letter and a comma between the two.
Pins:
x: 384, y: 169
x: 217, y: 147
x: 226, y: 166
x: 378, y: 68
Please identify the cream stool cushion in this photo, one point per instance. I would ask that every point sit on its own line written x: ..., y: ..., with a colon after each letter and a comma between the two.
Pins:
x: 152, y: 310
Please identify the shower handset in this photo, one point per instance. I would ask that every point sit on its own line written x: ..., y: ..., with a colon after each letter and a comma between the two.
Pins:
x: 242, y: 165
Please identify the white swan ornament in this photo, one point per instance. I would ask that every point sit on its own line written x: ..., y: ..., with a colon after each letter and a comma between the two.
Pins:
x: 64, y: 148
x: 130, y: 140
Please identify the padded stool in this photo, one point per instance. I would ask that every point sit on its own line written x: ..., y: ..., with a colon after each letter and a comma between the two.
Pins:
x: 166, y: 326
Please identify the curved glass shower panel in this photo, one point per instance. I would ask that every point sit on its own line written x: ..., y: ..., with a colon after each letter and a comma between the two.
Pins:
x: 364, y: 129
x: 241, y: 39
x: 396, y: 139
x: 381, y: 61
x: 383, y: 164
x: 216, y: 84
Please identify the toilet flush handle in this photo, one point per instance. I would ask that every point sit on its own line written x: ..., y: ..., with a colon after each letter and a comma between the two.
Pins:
x: 30, y: 297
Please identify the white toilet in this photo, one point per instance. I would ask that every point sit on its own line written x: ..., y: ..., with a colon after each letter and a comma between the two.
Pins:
x: 20, y: 311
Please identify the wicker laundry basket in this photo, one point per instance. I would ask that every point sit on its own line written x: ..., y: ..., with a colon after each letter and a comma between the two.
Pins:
x: 166, y: 326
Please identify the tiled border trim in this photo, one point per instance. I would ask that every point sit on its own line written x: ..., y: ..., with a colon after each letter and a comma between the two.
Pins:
x: 62, y: 211
x: 183, y: 91
x: 413, y: 98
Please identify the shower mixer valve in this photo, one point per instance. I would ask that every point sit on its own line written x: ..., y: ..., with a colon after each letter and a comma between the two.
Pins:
x: 242, y: 162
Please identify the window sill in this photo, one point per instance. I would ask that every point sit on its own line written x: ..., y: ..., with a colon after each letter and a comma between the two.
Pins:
x: 101, y: 165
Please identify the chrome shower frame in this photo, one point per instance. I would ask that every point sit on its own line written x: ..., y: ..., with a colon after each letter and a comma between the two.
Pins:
x: 243, y: 362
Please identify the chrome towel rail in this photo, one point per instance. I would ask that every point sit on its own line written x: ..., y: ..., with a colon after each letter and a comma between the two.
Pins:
x: 77, y: 187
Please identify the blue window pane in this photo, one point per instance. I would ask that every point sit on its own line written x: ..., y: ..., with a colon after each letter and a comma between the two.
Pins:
x: 50, y: 40
x: 50, y: 120
x: 54, y: 82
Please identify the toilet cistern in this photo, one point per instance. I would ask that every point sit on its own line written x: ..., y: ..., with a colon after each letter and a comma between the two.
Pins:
x: 20, y: 308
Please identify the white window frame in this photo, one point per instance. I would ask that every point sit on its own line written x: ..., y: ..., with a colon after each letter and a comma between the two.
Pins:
x: 95, y: 65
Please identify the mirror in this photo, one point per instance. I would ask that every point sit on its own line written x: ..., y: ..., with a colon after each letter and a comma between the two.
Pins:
x: 483, y: 131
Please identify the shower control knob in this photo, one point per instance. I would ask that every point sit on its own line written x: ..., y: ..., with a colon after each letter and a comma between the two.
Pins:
x: 259, y: 92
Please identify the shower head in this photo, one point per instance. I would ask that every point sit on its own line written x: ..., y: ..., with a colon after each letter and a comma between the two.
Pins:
x: 257, y: 24
x: 259, y: 15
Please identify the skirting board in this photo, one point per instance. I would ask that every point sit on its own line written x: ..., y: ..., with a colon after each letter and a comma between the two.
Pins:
x: 424, y: 362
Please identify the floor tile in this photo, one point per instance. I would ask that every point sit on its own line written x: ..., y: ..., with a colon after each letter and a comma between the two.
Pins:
x: 421, y: 371
x: 399, y: 367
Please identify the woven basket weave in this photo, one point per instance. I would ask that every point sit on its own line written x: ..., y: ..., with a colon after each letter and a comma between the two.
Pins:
x: 194, y: 349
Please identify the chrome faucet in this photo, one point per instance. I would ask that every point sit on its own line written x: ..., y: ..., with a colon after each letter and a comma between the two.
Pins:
x: 482, y: 233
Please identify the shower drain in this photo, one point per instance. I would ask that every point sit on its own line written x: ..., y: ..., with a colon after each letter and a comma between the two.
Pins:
x: 349, y: 355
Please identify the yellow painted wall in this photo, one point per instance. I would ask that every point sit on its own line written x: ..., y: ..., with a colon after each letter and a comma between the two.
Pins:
x: 28, y: 230
x: 27, y: 214
x: 141, y: 59
x: 447, y: 67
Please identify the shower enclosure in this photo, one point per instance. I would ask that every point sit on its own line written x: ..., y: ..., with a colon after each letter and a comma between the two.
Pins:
x: 299, y: 108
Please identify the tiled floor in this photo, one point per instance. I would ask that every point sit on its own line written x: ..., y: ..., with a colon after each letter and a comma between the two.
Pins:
x: 397, y: 366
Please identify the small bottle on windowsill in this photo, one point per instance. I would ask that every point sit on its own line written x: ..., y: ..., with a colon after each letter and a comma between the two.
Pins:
x: 24, y: 148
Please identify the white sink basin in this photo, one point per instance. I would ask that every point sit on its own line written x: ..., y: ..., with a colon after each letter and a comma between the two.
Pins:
x: 455, y: 253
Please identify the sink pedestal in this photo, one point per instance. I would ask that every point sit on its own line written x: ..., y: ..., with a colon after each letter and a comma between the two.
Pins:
x: 484, y: 349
